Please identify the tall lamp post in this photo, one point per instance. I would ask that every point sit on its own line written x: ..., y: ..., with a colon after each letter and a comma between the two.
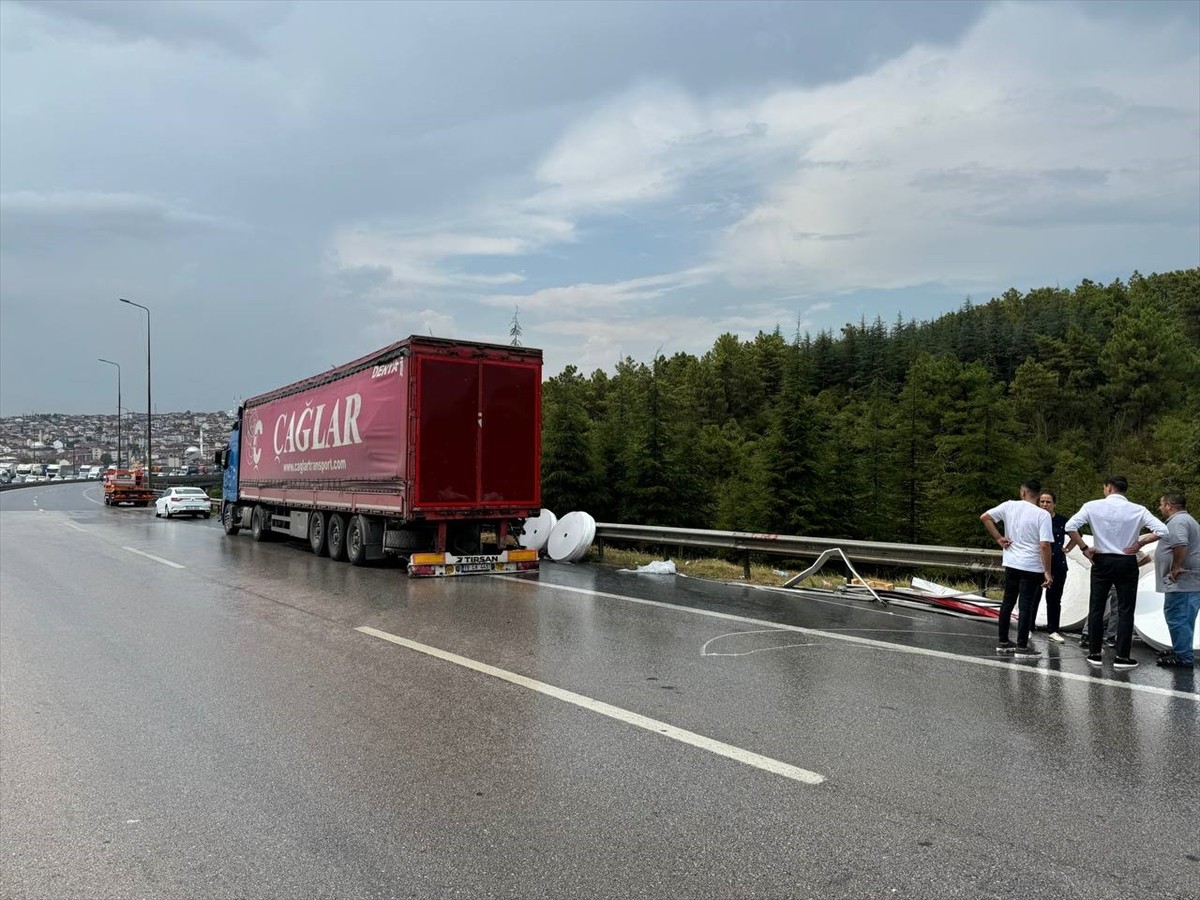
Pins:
x: 149, y: 408
x: 118, y: 365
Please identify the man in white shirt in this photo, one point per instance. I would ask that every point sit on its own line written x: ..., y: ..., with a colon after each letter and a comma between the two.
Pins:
x: 1117, y: 526
x: 1028, y: 533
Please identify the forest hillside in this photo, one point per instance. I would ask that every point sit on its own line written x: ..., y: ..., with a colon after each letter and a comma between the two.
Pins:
x: 893, y: 432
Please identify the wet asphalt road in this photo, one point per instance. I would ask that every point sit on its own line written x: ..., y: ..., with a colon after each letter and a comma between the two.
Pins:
x: 222, y: 730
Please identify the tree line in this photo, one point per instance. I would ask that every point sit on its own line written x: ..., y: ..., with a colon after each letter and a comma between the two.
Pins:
x: 903, y: 432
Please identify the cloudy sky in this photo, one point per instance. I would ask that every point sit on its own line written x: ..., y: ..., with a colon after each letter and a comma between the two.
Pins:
x: 290, y: 185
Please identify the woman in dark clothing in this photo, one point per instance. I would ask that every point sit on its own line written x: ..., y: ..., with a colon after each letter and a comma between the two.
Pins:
x: 1058, y: 567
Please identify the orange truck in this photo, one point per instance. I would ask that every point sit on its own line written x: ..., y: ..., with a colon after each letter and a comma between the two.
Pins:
x: 127, y: 486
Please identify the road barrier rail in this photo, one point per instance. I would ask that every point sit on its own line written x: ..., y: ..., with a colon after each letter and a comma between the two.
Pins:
x: 917, y: 556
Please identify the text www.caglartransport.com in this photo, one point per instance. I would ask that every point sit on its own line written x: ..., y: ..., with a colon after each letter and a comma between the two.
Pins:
x: 315, y: 465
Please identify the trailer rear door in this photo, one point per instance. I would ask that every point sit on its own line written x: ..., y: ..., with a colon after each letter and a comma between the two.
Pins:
x: 478, y: 433
x: 509, y: 442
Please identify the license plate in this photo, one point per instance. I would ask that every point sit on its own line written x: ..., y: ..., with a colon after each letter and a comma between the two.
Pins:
x: 474, y: 567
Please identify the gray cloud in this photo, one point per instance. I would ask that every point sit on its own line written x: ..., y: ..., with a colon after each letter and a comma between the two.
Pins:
x: 29, y: 217
x: 312, y: 181
x: 988, y: 180
x: 234, y: 27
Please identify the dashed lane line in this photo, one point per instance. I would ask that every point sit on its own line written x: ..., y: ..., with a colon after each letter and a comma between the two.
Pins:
x: 720, y: 748
x: 157, y: 559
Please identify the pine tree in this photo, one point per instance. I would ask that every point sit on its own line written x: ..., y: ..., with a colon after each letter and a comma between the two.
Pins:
x: 569, y: 477
x: 514, y: 328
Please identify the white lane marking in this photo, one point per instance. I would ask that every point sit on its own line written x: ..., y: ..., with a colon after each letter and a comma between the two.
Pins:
x: 868, y: 642
x: 729, y: 751
x: 704, y: 651
x: 158, y: 559
x: 76, y: 527
x: 86, y: 496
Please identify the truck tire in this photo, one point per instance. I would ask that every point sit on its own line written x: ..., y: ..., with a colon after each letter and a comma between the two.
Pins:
x: 317, y: 533
x: 260, y: 524
x: 229, y: 518
x: 336, y: 536
x: 356, y: 541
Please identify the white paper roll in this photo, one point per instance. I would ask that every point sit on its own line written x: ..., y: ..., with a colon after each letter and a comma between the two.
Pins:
x: 536, y: 530
x: 1076, y: 592
x: 571, y: 537
x: 1149, y: 621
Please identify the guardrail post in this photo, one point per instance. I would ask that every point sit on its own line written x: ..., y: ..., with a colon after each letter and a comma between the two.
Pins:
x: 600, y: 549
x: 746, y: 565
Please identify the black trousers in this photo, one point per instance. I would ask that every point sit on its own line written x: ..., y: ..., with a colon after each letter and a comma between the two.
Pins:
x: 1021, y: 590
x: 1054, y: 597
x: 1112, y: 570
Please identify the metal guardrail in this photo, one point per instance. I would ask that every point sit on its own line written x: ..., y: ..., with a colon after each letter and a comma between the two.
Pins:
x: 746, y: 543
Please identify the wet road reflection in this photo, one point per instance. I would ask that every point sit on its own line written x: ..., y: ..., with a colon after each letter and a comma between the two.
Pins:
x: 233, y: 704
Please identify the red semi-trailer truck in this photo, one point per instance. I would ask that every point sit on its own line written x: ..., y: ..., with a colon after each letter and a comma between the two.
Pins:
x: 428, y: 449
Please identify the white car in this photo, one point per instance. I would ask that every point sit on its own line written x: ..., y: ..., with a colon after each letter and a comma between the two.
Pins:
x: 183, y: 501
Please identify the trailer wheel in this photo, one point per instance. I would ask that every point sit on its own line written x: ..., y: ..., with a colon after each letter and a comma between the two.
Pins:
x: 229, y: 518
x: 336, y: 539
x: 356, y: 541
x: 260, y: 526
x: 317, y: 533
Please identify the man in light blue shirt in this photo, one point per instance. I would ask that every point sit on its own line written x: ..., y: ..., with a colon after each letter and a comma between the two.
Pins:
x: 1117, y: 525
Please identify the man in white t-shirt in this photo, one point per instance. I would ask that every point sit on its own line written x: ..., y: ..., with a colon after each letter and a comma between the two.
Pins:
x: 1028, y: 534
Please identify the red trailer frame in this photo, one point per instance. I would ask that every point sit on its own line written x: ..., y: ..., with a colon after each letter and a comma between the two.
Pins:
x: 426, y: 431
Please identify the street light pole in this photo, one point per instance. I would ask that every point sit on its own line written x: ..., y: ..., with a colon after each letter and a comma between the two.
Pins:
x: 149, y: 408
x: 118, y: 365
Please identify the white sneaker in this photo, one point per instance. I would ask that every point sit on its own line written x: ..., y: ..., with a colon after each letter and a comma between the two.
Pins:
x: 1056, y: 637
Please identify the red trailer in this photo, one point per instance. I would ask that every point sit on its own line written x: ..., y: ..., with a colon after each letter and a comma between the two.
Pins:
x: 427, y: 449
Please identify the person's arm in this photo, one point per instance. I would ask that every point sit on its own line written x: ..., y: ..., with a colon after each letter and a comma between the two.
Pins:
x: 1152, y: 523
x: 990, y: 524
x: 1074, y: 523
x: 1178, y: 557
x: 1047, y: 577
x: 1156, y: 528
x: 1141, y: 542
